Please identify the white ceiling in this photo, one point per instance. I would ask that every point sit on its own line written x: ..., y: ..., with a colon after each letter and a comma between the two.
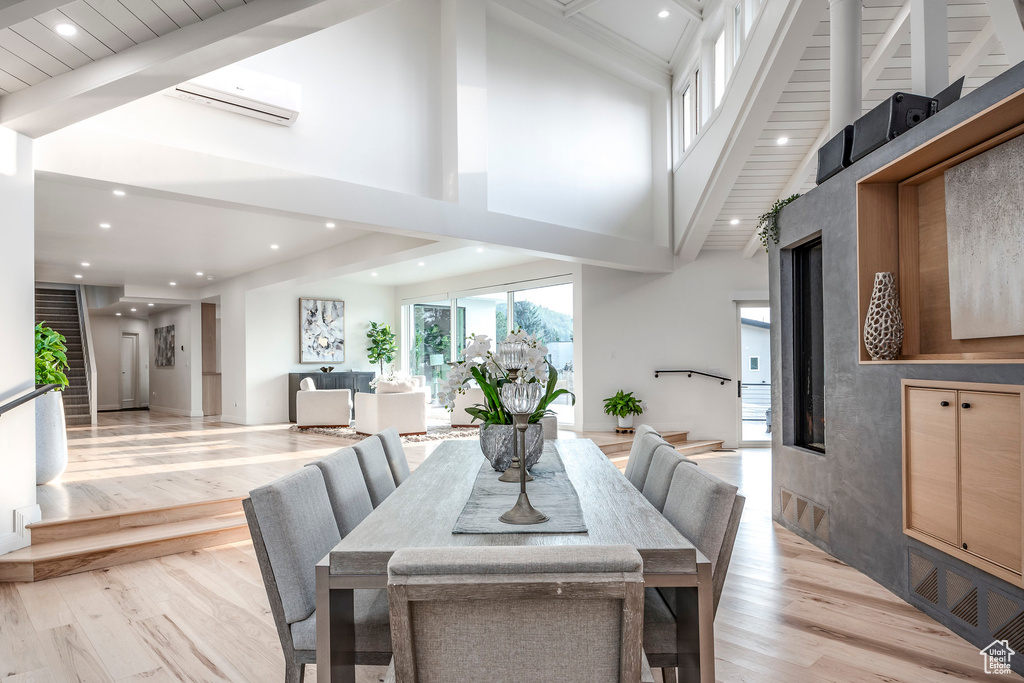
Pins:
x: 142, y: 309
x: 802, y: 111
x: 157, y: 239
x: 32, y: 51
x: 446, y: 264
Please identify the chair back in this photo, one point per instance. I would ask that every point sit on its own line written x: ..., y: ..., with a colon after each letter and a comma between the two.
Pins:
x: 376, y: 471
x: 292, y: 529
x: 350, y: 499
x: 307, y: 384
x: 506, y: 615
x: 659, y: 478
x: 645, y: 441
x: 394, y: 451
x: 707, y: 511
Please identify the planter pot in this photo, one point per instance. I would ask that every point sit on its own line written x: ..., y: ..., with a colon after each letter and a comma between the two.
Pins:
x: 51, y: 437
x: 550, y: 425
x: 498, y: 444
x: 626, y: 422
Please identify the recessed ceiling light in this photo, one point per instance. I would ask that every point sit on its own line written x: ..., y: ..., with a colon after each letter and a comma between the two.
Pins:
x: 274, y: 246
x: 119, y: 193
x: 373, y: 274
x: 330, y: 225
x: 85, y: 264
x: 77, y: 276
x: 421, y: 263
x: 105, y: 226
x: 782, y: 141
x: 118, y: 314
x: 664, y: 14
x: 66, y: 29
x: 150, y: 304
x: 199, y: 273
x: 209, y: 277
x: 133, y: 310
x: 173, y: 284
x: 734, y: 221
x: 479, y: 250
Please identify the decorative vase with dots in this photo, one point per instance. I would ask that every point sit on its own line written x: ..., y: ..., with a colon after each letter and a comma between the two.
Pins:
x: 883, y: 327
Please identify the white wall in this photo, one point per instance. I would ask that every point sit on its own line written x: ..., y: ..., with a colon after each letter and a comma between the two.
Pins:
x: 106, y: 343
x: 17, y: 371
x: 634, y: 324
x: 370, y: 106
x: 756, y: 342
x: 272, y: 338
x: 174, y: 389
x: 567, y: 143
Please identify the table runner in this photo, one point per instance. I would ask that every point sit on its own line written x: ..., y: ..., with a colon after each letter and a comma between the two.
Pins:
x: 551, y: 492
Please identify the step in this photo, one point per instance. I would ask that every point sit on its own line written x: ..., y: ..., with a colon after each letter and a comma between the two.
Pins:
x: 695, y: 447
x: 86, y: 553
x: 611, y: 443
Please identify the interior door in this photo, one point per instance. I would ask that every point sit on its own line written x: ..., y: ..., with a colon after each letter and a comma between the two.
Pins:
x: 990, y: 472
x: 931, y: 463
x: 129, y: 366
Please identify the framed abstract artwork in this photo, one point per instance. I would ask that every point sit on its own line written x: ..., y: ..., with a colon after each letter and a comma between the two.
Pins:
x: 321, y: 331
x: 163, y: 346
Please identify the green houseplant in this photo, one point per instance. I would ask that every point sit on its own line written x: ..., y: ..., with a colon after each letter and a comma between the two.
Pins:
x: 51, y: 428
x: 624, y: 406
x: 768, y: 222
x: 382, y: 348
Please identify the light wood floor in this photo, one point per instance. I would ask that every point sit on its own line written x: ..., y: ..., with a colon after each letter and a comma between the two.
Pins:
x: 789, y: 612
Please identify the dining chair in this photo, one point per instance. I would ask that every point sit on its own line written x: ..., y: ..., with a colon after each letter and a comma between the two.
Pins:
x: 505, y: 615
x: 659, y: 477
x: 645, y: 441
x: 395, y: 453
x: 350, y: 499
x: 376, y: 470
x: 292, y: 528
x: 707, y: 511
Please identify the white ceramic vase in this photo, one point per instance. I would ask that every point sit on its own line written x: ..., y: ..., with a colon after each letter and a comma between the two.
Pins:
x: 626, y: 422
x: 51, y: 437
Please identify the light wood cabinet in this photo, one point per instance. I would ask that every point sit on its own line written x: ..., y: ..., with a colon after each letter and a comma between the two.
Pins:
x: 962, y: 473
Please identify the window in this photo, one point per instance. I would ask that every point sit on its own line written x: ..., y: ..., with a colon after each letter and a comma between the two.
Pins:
x: 431, y: 348
x: 719, y: 68
x: 687, y: 118
x: 754, y: 363
x: 698, y: 118
x: 737, y: 31
x: 547, y: 312
x: 749, y: 12
x: 809, y: 347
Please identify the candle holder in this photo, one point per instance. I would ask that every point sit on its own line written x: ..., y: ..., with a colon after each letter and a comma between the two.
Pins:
x: 521, y: 400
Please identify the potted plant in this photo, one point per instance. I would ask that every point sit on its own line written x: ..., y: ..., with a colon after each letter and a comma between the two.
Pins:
x: 51, y: 429
x: 479, y: 368
x: 382, y: 348
x: 623, y: 406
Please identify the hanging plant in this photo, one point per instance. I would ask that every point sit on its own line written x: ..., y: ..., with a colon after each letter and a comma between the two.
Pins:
x: 768, y: 223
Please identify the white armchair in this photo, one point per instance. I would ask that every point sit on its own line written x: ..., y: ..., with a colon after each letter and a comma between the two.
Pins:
x: 400, y: 405
x: 322, y: 408
x: 460, y: 418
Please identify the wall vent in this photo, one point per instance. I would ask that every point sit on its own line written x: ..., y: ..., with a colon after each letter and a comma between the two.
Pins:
x: 805, y: 513
x: 961, y: 598
x: 924, y: 578
x: 1000, y: 610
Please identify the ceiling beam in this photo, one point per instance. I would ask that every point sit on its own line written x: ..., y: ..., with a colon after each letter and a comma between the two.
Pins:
x: 975, y: 52
x: 17, y: 11
x: 577, y: 6
x: 163, y: 62
x: 691, y: 8
x: 1006, y: 20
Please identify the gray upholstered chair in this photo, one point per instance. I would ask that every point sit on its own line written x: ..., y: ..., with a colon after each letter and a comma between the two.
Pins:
x: 376, y: 470
x: 659, y: 477
x: 292, y: 529
x: 640, y: 454
x: 395, y: 453
x: 346, y: 488
x: 457, y: 614
x: 707, y: 511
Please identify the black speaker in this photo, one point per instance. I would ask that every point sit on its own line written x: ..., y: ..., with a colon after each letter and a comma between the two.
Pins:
x: 950, y: 95
x: 834, y: 155
x: 890, y: 119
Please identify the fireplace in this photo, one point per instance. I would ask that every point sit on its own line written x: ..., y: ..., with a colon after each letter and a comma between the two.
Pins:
x: 808, y: 347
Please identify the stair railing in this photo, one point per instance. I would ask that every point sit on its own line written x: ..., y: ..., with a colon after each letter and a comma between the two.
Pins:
x: 691, y: 373
x: 25, y: 398
x: 85, y: 328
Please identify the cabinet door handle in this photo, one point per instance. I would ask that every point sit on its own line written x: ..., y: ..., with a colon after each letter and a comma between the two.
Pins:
x: 965, y: 546
x: 944, y: 404
x: 965, y: 406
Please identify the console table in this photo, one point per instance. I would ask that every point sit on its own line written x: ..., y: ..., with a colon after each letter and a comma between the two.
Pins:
x: 353, y: 381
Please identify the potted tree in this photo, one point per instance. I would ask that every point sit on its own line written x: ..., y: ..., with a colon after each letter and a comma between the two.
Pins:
x: 623, y: 406
x: 382, y: 348
x: 51, y: 429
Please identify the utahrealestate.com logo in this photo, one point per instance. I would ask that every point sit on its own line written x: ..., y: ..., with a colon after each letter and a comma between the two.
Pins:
x: 997, y: 657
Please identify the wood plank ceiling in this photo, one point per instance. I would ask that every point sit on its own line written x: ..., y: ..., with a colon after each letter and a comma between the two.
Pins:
x: 34, y: 50
x: 803, y: 109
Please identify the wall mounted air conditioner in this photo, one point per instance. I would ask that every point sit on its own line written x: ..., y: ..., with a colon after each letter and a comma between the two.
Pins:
x: 245, y: 92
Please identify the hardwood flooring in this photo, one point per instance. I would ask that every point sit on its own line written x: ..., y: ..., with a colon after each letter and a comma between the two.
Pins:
x: 789, y: 612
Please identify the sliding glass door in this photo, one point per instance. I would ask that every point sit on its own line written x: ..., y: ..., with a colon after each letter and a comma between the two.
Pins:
x: 431, y: 340
x: 547, y: 313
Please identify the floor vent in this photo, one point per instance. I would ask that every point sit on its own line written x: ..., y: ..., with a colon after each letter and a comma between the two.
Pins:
x: 806, y: 514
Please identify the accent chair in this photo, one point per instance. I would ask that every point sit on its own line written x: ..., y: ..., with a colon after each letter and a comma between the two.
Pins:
x: 322, y: 407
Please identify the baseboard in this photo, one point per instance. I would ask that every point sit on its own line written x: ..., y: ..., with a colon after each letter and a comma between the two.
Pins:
x: 109, y: 406
x: 10, y: 542
x: 21, y: 537
x: 171, y: 411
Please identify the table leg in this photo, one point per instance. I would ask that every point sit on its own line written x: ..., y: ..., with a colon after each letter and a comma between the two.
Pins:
x: 335, y: 631
x: 695, y: 629
x: 706, y: 617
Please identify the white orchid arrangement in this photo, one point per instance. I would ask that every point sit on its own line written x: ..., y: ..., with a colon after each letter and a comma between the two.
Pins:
x: 479, y: 367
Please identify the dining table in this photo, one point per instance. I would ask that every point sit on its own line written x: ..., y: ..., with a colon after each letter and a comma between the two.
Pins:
x: 424, y: 509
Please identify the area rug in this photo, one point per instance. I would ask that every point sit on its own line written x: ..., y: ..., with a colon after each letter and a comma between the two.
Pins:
x: 437, y: 430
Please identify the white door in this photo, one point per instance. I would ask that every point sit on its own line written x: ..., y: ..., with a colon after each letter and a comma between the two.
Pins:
x: 755, y: 375
x: 129, y: 364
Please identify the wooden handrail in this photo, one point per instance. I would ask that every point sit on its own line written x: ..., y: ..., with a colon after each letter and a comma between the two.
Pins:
x: 691, y: 373
x: 22, y: 400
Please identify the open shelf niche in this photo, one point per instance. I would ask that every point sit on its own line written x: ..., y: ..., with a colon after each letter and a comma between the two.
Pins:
x: 901, y: 228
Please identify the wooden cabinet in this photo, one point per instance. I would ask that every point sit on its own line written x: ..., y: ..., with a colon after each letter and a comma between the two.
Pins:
x: 962, y: 475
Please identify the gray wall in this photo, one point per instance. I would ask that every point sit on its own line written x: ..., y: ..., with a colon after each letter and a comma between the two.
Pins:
x: 858, y: 480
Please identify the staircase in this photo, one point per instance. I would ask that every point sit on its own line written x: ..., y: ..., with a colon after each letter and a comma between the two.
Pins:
x: 617, y: 446
x: 58, y: 308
